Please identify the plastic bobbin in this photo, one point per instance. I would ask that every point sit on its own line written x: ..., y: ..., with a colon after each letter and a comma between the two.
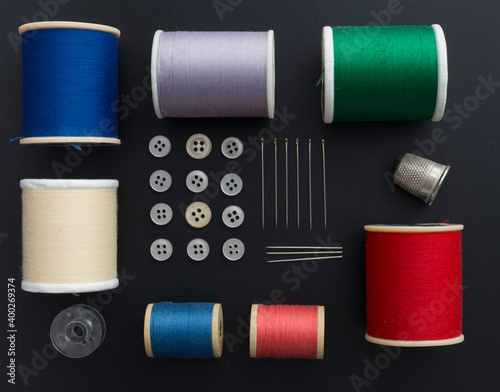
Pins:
x: 233, y: 216
x: 232, y: 147
x: 198, y: 214
x: 197, y: 181
x: 161, y: 214
x: 161, y: 249
x: 198, y: 146
x: 160, y: 146
x: 160, y: 180
x: 198, y: 249
x: 77, y: 331
x: 231, y: 184
x: 233, y: 249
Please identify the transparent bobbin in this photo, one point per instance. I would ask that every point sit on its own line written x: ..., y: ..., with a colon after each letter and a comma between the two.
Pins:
x: 77, y: 331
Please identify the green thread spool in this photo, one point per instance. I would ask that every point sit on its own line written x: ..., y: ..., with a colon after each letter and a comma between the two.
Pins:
x: 388, y: 73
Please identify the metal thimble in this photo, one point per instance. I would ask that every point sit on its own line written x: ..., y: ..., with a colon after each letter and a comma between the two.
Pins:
x: 420, y: 176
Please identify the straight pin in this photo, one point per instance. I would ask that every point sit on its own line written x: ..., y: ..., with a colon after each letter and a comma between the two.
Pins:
x: 286, y: 182
x: 276, y: 181
x: 328, y: 252
x: 298, y: 193
x: 262, y: 176
x: 310, y: 190
x: 304, y: 259
x: 324, y: 179
x: 303, y: 247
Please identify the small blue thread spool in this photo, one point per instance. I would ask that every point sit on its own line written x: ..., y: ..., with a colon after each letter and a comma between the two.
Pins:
x: 183, y: 330
x: 70, y: 83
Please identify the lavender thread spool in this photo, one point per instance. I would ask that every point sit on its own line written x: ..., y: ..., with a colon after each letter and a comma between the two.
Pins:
x: 213, y: 74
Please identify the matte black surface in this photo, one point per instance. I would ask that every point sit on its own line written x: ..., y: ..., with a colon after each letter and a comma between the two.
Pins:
x: 358, y: 157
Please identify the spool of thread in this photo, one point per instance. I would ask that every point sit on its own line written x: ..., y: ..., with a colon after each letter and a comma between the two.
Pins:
x: 69, y: 235
x: 213, y: 74
x: 70, y: 83
x: 384, y: 73
x: 414, y: 285
x: 183, y: 330
x: 287, y: 331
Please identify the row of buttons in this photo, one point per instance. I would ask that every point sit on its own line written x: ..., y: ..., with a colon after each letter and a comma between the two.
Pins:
x: 198, y: 146
x: 197, y: 249
x: 198, y: 215
x: 196, y: 181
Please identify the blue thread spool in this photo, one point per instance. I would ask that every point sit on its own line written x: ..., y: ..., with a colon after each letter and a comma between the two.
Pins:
x: 183, y: 330
x: 70, y: 83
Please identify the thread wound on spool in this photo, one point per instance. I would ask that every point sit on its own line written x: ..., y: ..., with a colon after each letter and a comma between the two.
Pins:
x: 70, y: 83
x: 183, y: 330
x: 414, y: 284
x: 387, y: 73
x: 69, y: 235
x: 287, y: 331
x: 213, y: 74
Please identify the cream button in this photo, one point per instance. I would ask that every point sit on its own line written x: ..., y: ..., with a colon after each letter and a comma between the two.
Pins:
x: 198, y: 214
x: 199, y: 146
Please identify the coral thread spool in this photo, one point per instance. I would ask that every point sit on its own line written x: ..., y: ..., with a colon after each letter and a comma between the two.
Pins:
x: 414, y: 284
x: 183, y: 330
x: 287, y: 331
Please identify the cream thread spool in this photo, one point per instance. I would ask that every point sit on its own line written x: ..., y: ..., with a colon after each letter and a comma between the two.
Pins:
x: 69, y: 235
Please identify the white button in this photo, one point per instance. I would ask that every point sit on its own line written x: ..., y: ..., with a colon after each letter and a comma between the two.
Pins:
x: 161, y: 214
x: 233, y: 249
x: 197, y: 181
x: 198, y: 249
x: 232, y: 147
x: 160, y: 146
x: 231, y: 184
x: 160, y: 180
x: 198, y: 146
x: 233, y: 216
x: 161, y: 249
x: 198, y: 214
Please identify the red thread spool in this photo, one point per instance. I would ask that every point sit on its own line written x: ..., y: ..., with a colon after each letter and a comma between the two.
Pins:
x: 287, y: 331
x: 414, y: 285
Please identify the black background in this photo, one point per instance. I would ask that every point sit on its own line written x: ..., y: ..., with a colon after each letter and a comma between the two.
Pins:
x: 358, y: 156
